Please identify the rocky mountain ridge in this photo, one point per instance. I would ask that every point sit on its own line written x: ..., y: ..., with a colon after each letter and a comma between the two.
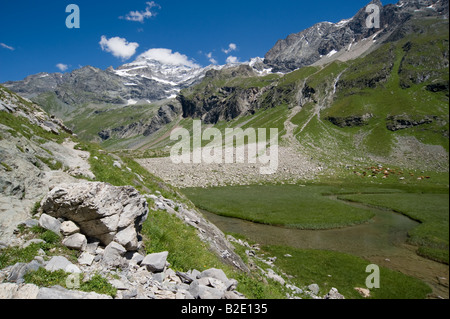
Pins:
x: 324, y: 40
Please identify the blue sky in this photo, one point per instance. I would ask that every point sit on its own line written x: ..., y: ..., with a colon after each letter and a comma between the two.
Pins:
x: 34, y: 37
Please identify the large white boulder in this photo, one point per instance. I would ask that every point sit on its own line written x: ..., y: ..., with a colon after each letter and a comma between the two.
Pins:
x: 100, y: 210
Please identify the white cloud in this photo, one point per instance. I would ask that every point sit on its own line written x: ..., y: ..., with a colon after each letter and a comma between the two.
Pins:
x: 140, y: 16
x: 232, y: 59
x: 231, y: 47
x: 119, y: 47
x: 166, y: 56
x: 210, y: 58
x: 6, y: 46
x: 62, y: 67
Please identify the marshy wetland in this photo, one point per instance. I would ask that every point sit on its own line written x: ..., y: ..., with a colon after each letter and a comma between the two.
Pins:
x: 399, y: 228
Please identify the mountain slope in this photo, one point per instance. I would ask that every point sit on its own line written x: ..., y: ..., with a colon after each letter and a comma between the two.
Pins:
x: 390, y: 105
x: 325, y: 40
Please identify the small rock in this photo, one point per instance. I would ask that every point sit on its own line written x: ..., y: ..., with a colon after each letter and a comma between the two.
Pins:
x: 272, y: 275
x: 314, y: 288
x: 86, y: 259
x: 155, y: 262
x: 214, y: 273
x: 19, y: 270
x: 113, y: 255
x: 363, y: 292
x: 334, y: 294
x: 69, y: 228
x: 50, y: 223
x: 117, y: 164
x: 76, y: 241
x: 58, y: 292
x: 61, y: 263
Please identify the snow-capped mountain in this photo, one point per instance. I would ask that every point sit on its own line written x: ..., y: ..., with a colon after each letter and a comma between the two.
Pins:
x: 143, y: 80
x: 169, y: 77
x: 148, y: 79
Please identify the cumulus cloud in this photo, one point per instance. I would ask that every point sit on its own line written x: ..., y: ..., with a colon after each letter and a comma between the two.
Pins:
x: 6, y: 46
x: 232, y: 59
x: 119, y: 47
x: 63, y: 67
x: 231, y: 47
x: 140, y: 16
x: 166, y: 56
x: 210, y: 58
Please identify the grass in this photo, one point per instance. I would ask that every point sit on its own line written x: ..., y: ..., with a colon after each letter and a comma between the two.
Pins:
x: 307, y: 207
x: 345, y: 272
x: 52, y: 247
x: 45, y: 278
x: 94, y: 119
x: 164, y: 232
x: 21, y: 126
x: 284, y: 205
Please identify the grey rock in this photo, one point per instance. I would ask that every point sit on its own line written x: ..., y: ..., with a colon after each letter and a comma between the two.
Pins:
x: 272, y: 275
x: 76, y: 241
x: 50, y: 223
x: 184, y: 278
x: 8, y: 290
x: 130, y: 294
x: 159, y: 277
x: 69, y: 228
x: 232, y: 295
x: 194, y: 273
x: 314, y: 288
x: 214, y: 273
x: 61, y: 263
x: 91, y: 247
x: 138, y: 258
x: 28, y: 291
x: 118, y: 284
x: 334, y: 294
x: 155, y: 262
x: 86, y: 259
x: 101, y: 210
x: 19, y: 270
x: 199, y: 291
x: 113, y: 255
x: 58, y: 292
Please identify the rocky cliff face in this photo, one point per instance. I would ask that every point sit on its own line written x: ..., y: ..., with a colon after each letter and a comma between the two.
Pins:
x: 326, y: 39
x: 224, y: 95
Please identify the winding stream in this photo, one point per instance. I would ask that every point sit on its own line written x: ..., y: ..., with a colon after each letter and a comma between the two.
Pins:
x: 382, y: 241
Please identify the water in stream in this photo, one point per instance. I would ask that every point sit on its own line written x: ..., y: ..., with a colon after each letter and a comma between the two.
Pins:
x: 382, y: 241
